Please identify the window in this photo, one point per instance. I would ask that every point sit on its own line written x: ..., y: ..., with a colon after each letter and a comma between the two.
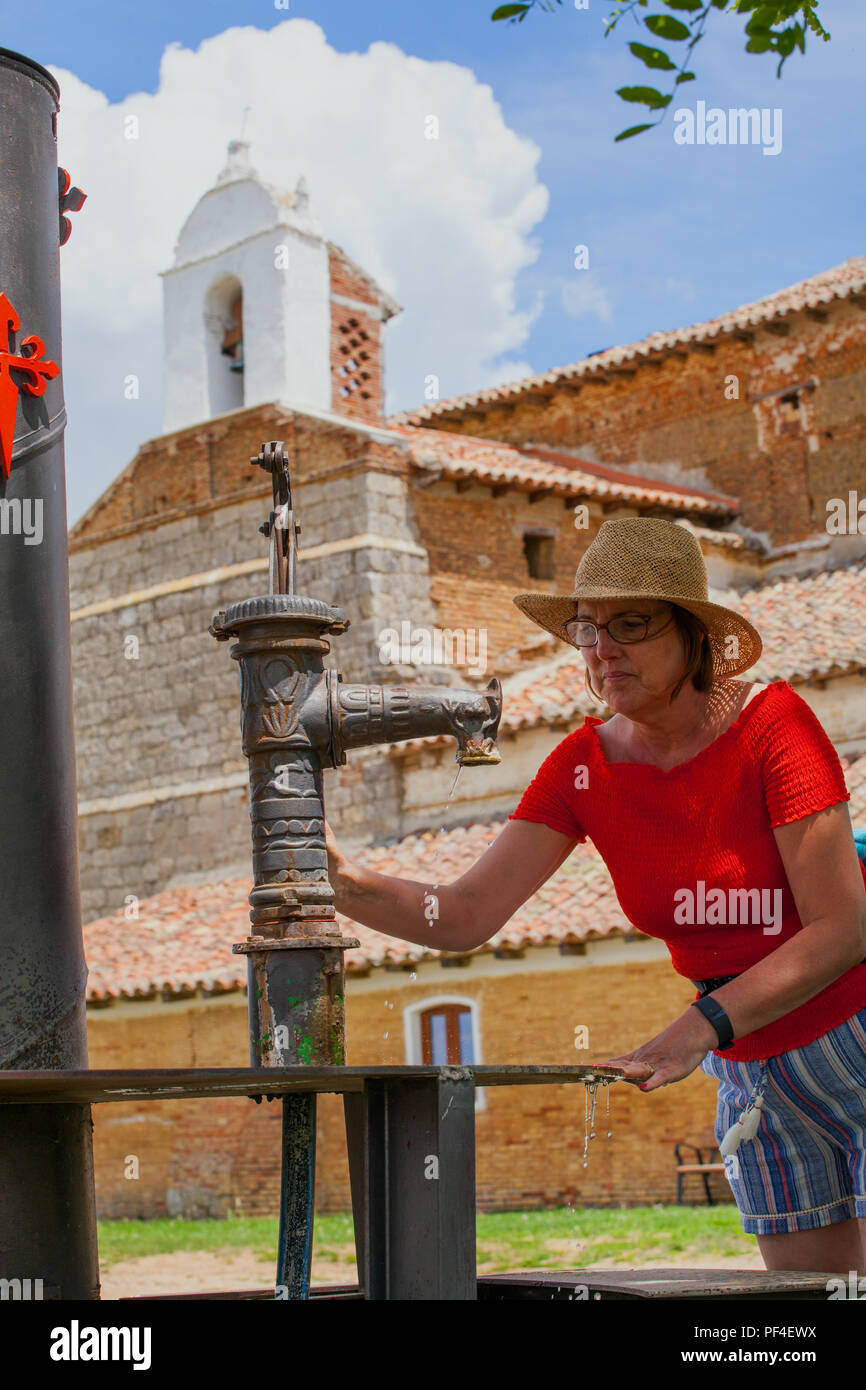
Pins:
x: 789, y: 413
x: 446, y: 1035
x: 233, y: 339
x: 538, y: 549
x: 354, y: 336
x: 224, y: 344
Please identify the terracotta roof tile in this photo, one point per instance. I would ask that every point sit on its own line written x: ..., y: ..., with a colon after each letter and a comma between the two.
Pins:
x: 839, y: 282
x: 443, y: 454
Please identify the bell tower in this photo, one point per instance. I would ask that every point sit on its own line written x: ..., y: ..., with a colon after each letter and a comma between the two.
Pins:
x: 259, y: 307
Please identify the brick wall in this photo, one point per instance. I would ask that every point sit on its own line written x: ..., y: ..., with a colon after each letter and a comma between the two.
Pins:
x: 670, y: 418
x: 356, y: 336
x: 478, y: 562
x: 221, y: 1157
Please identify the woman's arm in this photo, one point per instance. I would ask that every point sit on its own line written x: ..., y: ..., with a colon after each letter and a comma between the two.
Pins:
x: 470, y: 910
x: 823, y: 871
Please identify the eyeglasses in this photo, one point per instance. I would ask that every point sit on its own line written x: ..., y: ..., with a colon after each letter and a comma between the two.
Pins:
x: 628, y: 627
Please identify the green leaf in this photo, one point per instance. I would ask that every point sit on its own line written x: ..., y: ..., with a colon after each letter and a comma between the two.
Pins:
x: 633, y: 130
x: 653, y: 57
x: 685, y: 77
x: 759, y: 44
x: 718, y: 4
x: 648, y: 96
x: 664, y: 26
x: 766, y: 16
x: 684, y: 4
x: 508, y: 11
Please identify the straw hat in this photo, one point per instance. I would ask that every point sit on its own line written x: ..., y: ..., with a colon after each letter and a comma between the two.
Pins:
x: 647, y: 557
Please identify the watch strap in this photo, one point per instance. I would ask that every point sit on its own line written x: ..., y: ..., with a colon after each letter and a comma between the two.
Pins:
x: 718, y: 1018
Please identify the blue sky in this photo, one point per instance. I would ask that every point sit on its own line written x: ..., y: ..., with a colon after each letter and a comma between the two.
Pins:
x: 676, y: 234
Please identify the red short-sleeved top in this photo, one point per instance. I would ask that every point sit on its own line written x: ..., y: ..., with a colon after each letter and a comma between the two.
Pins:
x: 708, y: 822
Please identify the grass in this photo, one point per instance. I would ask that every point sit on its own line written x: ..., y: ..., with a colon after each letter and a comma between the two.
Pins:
x: 555, y: 1238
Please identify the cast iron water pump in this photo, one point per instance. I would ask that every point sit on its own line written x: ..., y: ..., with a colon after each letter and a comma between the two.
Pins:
x: 296, y: 719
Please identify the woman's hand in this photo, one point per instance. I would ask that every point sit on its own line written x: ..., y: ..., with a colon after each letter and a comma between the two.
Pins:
x: 335, y: 854
x: 671, y: 1054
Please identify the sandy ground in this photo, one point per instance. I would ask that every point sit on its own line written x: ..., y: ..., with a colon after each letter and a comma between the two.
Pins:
x: 210, y: 1272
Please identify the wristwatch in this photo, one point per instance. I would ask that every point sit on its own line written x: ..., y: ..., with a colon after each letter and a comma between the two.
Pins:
x: 718, y: 1018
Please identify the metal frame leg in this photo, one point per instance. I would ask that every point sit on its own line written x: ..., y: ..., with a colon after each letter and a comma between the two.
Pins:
x: 297, y: 1196
x: 412, y: 1167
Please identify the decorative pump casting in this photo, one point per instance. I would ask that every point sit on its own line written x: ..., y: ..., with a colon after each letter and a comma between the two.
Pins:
x: 298, y: 718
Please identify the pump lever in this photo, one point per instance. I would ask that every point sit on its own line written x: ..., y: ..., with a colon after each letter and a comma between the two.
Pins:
x: 280, y: 528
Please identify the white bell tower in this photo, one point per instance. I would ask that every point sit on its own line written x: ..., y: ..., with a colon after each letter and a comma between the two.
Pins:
x: 247, y: 317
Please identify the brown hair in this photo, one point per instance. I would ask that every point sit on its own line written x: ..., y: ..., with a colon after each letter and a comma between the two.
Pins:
x: 699, y: 654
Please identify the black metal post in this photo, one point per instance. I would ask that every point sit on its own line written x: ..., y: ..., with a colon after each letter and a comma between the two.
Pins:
x: 47, y: 1199
x: 411, y: 1150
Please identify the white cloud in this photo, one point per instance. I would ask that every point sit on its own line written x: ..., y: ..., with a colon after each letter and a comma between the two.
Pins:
x: 443, y: 225
x: 584, y: 294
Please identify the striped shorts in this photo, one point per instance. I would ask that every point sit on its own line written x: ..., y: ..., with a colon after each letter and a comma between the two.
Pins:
x: 806, y: 1166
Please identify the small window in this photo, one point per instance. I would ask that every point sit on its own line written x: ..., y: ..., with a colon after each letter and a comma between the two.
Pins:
x: 446, y: 1035
x: 789, y: 413
x: 539, y: 556
x: 232, y: 344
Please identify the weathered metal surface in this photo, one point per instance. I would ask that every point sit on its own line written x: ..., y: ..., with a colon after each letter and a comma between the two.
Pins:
x: 42, y: 1000
x: 174, y: 1083
x: 297, y: 1007
x: 297, y: 718
x: 297, y: 1197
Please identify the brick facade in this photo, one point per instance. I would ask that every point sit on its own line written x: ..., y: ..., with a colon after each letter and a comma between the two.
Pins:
x: 670, y: 417
x: 219, y: 1158
x: 356, y: 338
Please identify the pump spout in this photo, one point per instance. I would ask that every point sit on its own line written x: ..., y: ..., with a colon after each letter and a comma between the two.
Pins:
x: 363, y: 715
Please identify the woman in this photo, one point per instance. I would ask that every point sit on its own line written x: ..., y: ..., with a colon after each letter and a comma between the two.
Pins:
x: 719, y: 809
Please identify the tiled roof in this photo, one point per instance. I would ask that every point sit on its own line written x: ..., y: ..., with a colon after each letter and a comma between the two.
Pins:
x: 843, y: 281
x: 183, y: 937
x: 452, y: 457
x: 812, y: 625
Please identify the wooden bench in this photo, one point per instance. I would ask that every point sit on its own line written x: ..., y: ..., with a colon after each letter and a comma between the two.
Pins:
x: 702, y: 1165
